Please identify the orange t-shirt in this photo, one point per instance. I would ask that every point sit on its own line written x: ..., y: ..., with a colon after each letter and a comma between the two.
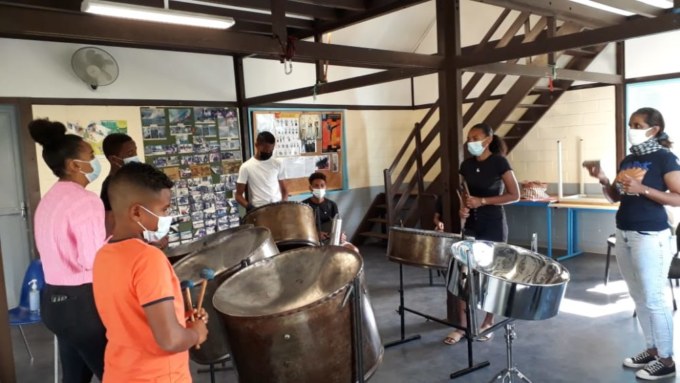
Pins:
x: 127, y: 276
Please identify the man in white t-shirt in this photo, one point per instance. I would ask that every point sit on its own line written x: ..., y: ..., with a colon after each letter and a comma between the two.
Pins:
x: 262, y: 174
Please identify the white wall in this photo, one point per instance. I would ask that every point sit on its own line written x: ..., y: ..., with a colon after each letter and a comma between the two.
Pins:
x: 653, y: 55
x: 43, y: 69
x: 586, y: 114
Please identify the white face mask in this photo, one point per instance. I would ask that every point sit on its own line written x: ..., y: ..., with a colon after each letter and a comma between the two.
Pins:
x: 638, y: 136
x: 131, y: 159
x: 476, y: 148
x: 163, y: 227
x: 319, y: 193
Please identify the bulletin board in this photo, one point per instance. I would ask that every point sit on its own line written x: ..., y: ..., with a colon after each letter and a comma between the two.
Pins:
x: 307, y: 141
x: 200, y: 150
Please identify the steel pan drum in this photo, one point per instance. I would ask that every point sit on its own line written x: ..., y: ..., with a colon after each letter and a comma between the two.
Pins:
x: 508, y: 280
x: 287, y: 318
x: 226, y: 256
x: 174, y: 254
x: 292, y: 224
x: 424, y: 248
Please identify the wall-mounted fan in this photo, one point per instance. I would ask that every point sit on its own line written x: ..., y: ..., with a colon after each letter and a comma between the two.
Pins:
x: 95, y: 66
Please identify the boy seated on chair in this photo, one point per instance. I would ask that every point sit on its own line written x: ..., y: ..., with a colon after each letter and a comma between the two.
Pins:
x: 136, y: 291
x: 324, y: 210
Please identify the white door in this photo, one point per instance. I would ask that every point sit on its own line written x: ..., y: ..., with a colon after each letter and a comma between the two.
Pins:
x: 14, y: 235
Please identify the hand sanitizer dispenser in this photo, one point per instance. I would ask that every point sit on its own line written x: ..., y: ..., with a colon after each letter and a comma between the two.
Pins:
x: 34, y: 296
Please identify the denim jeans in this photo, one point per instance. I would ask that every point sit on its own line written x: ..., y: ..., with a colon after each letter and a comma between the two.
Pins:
x: 644, y: 258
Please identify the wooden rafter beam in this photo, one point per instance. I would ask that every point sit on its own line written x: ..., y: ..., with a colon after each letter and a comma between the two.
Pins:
x: 352, y: 5
x: 563, y: 10
x: 541, y: 72
x: 340, y: 85
x: 240, y: 15
x: 626, y: 30
x: 317, y: 12
x: 37, y: 24
x: 377, y: 8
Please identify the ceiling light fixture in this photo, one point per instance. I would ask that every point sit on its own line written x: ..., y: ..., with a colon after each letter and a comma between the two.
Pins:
x: 161, y: 15
x: 665, y: 4
x: 604, y: 7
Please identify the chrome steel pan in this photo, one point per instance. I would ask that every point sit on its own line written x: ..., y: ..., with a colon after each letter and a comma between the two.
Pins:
x: 174, y: 254
x: 226, y: 256
x: 508, y: 280
x: 424, y: 248
x: 288, y: 318
x: 292, y: 224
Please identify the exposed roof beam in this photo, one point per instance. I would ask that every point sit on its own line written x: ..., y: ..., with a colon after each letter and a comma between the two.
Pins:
x: 336, y: 86
x: 633, y: 6
x: 317, y: 12
x: 562, y: 10
x: 38, y: 24
x: 238, y: 15
x: 626, y: 30
x: 352, y: 5
x: 377, y: 8
x: 543, y: 72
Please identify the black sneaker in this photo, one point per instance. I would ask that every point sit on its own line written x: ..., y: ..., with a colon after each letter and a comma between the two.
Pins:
x: 656, y: 370
x: 640, y: 360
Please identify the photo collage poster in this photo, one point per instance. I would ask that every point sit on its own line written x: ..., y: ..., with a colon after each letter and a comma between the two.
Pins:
x: 305, y: 141
x: 200, y: 150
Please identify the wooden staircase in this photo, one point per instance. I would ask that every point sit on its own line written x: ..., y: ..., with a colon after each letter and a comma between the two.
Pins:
x: 413, y: 180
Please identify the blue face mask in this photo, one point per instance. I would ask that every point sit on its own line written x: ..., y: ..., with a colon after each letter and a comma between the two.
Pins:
x: 96, y: 169
x: 476, y: 148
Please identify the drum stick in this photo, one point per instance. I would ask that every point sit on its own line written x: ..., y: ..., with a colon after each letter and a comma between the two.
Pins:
x: 462, y: 220
x: 207, y: 275
x: 186, y: 287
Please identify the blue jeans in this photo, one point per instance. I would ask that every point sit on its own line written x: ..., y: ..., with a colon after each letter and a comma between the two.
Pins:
x: 644, y: 259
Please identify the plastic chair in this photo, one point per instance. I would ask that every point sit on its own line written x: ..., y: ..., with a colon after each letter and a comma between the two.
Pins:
x: 22, y: 315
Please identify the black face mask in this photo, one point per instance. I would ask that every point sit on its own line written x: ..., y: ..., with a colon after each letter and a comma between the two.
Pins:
x: 264, y: 156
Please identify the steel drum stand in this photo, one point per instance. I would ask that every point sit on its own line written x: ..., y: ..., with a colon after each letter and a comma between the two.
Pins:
x: 472, y: 367
x: 357, y: 336
x: 507, y: 374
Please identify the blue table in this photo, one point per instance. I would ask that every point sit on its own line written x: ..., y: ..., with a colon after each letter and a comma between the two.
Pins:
x: 572, y: 208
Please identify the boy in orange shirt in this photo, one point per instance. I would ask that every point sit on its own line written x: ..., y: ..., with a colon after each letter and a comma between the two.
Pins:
x: 136, y: 291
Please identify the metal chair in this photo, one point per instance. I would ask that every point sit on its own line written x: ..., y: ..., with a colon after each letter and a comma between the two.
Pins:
x: 22, y: 315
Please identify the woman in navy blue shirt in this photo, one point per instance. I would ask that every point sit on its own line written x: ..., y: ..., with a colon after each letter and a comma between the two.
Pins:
x: 648, y: 179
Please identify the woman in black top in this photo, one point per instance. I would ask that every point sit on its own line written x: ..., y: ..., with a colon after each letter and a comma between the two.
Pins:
x: 648, y: 179
x: 492, y: 184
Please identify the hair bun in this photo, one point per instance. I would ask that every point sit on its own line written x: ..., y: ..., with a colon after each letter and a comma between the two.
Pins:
x: 47, y: 133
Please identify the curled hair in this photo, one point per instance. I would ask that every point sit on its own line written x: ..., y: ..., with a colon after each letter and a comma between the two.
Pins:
x: 497, y: 145
x: 654, y: 118
x: 113, y: 142
x: 317, y: 176
x: 57, y: 145
x: 265, y: 138
x: 141, y: 176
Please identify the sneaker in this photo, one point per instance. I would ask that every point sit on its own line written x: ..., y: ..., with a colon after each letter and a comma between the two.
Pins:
x: 640, y: 360
x: 656, y: 370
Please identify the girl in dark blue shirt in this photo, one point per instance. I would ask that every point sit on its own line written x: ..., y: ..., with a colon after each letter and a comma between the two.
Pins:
x: 648, y: 179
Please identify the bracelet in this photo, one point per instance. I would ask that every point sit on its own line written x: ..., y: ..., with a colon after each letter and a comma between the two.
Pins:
x: 483, y: 201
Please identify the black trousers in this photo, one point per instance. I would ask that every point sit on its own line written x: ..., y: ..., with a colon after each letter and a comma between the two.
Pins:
x: 70, y: 313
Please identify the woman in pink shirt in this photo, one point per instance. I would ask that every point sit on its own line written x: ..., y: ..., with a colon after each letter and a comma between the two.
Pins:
x: 69, y: 229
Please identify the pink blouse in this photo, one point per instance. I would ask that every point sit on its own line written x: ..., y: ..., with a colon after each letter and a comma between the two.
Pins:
x: 69, y: 230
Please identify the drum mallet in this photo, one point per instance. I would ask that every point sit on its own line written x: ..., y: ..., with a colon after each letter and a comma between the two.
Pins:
x: 186, y: 288
x: 207, y: 275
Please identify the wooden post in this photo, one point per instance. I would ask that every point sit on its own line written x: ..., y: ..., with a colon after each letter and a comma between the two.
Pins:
x: 7, y: 373
x: 242, y: 106
x: 450, y: 108
x: 620, y: 103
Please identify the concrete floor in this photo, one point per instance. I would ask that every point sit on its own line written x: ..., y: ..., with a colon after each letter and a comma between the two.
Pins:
x: 586, y: 342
